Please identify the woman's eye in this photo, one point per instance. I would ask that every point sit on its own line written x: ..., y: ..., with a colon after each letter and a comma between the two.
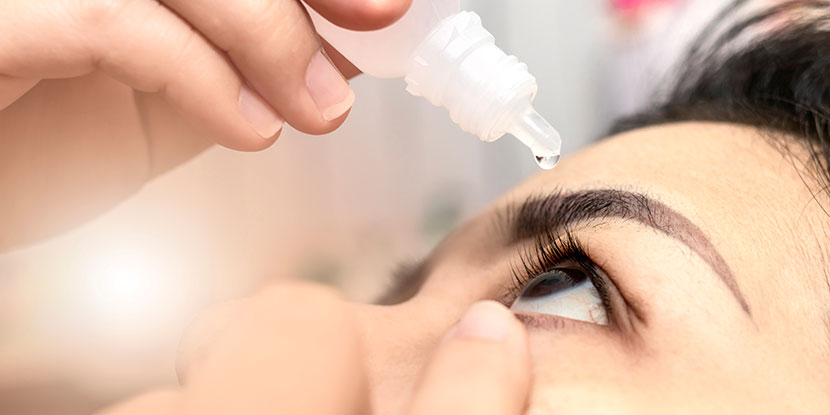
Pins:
x: 563, y: 292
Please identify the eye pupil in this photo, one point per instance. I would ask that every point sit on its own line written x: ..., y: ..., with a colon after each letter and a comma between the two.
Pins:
x: 553, y: 282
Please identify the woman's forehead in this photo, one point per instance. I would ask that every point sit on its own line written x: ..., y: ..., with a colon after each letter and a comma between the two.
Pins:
x: 723, y: 175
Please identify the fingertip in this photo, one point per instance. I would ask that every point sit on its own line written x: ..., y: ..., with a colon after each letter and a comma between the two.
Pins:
x: 330, y: 93
x: 486, y: 320
x: 362, y: 15
x: 484, y: 355
x: 492, y: 325
x: 249, y: 142
x: 377, y: 14
x: 260, y: 115
x: 222, y: 122
x: 325, y: 127
x: 492, y: 321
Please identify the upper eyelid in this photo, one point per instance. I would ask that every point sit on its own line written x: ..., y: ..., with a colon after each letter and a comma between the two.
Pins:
x: 558, y: 209
x: 557, y: 247
x: 617, y: 283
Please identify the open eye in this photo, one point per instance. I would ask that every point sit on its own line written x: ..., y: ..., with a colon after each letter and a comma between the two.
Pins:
x: 564, y: 292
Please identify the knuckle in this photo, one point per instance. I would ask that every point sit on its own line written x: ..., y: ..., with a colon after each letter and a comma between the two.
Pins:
x: 187, y: 51
x: 98, y: 22
x: 93, y: 14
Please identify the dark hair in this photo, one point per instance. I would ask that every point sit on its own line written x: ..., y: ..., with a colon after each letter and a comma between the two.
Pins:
x: 768, y: 69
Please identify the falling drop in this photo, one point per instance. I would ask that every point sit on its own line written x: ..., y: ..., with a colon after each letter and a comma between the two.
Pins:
x: 547, y: 163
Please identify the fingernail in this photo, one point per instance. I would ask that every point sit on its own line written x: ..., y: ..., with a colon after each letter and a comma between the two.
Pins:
x: 259, y: 114
x: 486, y: 320
x: 328, y: 88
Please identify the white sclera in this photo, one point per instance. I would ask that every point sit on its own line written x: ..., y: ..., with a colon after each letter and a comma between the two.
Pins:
x: 580, y: 302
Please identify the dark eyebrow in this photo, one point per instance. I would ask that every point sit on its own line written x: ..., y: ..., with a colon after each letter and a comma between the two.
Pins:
x: 557, y: 211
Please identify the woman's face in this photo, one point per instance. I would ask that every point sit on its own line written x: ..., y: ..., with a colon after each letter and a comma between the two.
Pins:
x: 688, y: 259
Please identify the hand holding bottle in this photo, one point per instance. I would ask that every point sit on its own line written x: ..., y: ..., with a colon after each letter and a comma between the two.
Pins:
x: 99, y: 96
x: 448, y: 57
x: 239, y: 67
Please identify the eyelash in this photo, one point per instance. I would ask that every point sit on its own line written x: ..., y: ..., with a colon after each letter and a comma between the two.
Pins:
x: 550, y: 250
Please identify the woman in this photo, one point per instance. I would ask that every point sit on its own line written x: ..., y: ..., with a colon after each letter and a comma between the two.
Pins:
x: 679, y: 266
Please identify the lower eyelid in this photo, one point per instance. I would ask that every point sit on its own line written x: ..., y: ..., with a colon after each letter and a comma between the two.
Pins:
x: 547, y: 322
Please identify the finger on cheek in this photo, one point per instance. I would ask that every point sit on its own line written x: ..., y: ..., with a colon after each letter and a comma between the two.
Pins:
x: 481, y: 367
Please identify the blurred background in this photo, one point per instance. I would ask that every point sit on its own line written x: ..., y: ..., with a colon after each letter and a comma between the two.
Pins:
x: 96, y: 314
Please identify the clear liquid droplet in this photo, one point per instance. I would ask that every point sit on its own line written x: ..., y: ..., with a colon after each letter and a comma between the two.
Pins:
x: 547, y: 163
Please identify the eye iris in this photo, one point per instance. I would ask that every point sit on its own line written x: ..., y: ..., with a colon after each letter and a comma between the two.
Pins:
x: 554, y: 281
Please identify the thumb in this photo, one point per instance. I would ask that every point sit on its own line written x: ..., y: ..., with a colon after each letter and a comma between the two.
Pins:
x: 361, y: 14
x: 482, y: 367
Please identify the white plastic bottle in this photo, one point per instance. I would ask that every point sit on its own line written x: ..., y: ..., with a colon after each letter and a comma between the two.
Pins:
x: 447, y: 57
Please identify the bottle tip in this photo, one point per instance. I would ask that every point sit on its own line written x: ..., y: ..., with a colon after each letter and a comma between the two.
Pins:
x: 538, y: 135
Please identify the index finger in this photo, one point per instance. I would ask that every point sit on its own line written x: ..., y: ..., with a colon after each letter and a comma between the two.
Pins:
x: 361, y: 14
x: 276, y: 50
x: 482, y: 367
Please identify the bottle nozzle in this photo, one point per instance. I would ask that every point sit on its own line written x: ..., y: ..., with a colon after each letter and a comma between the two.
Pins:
x: 538, y: 135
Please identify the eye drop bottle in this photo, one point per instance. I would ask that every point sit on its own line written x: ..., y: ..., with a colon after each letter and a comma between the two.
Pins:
x: 447, y: 57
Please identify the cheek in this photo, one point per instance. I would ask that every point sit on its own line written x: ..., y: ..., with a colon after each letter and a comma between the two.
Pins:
x: 586, y: 377
x: 591, y: 373
x: 582, y: 372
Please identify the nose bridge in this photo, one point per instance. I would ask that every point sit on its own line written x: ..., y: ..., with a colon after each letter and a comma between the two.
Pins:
x: 398, y: 341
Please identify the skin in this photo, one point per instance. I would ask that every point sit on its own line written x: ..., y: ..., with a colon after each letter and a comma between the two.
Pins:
x: 684, y: 344
x: 89, y: 114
